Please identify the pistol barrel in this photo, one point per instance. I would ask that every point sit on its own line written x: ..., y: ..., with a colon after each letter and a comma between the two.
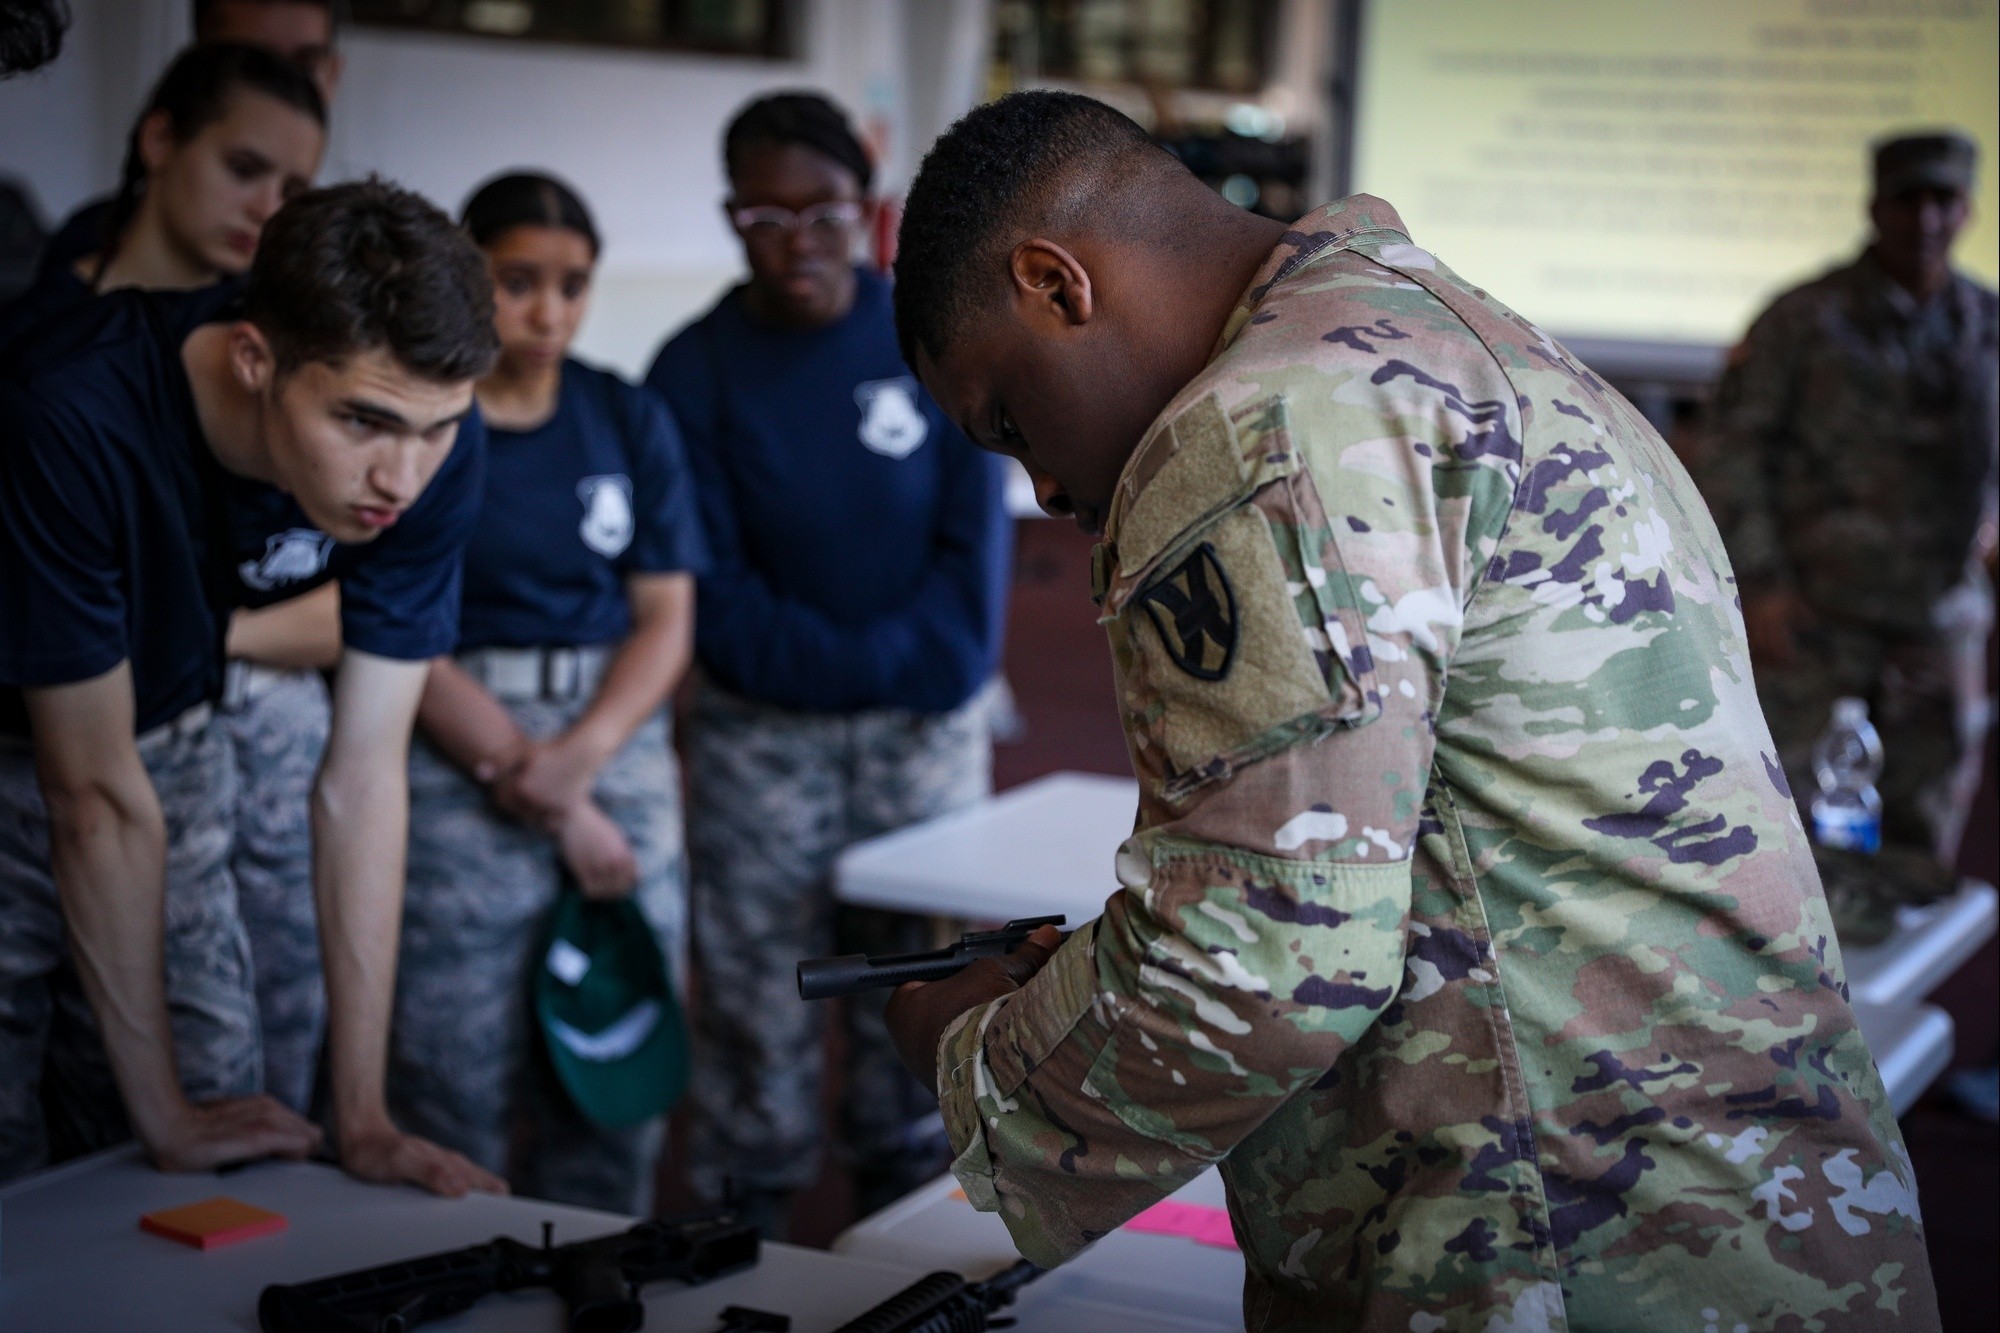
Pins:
x: 828, y: 978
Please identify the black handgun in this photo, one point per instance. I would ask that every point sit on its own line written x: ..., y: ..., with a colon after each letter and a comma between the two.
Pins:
x: 825, y: 978
x: 944, y: 1303
x: 598, y: 1280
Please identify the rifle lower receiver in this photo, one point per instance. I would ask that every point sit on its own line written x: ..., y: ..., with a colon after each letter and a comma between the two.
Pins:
x: 598, y: 1280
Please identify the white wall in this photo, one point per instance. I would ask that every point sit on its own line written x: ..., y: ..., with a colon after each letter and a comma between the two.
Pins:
x: 638, y: 134
x: 63, y: 127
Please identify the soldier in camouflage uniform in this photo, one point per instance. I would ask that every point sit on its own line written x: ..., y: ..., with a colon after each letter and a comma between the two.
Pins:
x: 1847, y: 462
x: 1469, y: 928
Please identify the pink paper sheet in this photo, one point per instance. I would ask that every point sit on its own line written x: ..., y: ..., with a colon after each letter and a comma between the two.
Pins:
x: 1195, y: 1221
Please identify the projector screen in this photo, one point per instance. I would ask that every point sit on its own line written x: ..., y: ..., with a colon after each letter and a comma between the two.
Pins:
x: 1654, y: 171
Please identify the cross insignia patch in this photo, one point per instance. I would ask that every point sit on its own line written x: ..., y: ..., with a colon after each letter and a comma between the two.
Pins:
x: 1194, y: 610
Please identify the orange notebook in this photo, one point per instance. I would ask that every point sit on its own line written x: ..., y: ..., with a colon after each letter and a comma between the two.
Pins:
x: 213, y: 1223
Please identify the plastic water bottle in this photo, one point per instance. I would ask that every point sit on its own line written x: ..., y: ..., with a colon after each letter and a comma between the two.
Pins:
x: 1847, y: 759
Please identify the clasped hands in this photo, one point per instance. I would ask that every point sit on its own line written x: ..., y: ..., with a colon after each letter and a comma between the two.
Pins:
x: 545, y: 784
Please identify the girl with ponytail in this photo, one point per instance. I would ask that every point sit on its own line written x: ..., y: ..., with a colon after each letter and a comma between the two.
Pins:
x: 544, y: 754
x: 229, y: 133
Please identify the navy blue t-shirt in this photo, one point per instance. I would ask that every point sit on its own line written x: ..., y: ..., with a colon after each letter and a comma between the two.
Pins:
x: 80, y: 234
x: 598, y: 491
x: 54, y: 291
x: 122, y: 537
x: 860, y: 541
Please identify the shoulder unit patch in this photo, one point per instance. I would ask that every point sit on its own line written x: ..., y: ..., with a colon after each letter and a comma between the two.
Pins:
x: 1194, y: 610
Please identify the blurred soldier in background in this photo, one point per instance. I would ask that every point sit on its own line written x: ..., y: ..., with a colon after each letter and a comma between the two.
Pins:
x: 1849, y: 466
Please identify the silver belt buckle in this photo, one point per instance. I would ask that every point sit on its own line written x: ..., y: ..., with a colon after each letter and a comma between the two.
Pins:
x: 235, y: 685
x: 512, y: 674
x: 561, y: 673
x: 189, y: 723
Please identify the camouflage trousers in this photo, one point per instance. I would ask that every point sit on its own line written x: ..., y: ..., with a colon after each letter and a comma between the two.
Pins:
x: 277, y: 723
x: 466, y: 1065
x: 773, y: 797
x: 57, y: 1097
x: 1907, y: 684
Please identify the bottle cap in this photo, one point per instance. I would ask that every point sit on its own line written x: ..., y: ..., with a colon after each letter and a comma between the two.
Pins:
x: 1850, y: 711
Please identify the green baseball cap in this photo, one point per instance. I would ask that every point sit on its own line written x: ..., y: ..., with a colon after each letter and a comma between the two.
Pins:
x: 608, y: 1012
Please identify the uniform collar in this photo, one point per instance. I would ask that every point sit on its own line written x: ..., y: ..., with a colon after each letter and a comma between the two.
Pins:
x: 1878, y: 286
x: 1319, y: 234
x: 1322, y: 232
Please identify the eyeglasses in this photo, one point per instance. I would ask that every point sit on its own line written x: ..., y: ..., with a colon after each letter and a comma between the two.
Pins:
x: 770, y: 220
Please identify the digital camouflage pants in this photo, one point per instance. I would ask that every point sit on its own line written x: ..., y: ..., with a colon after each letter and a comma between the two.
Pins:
x: 57, y: 1097
x: 773, y: 797
x: 277, y: 723
x: 466, y: 1065
x: 1907, y: 685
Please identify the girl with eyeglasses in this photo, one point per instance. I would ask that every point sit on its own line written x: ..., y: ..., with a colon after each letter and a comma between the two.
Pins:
x: 848, y: 634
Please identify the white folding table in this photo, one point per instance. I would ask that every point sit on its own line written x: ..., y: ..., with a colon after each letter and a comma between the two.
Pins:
x: 1042, y: 848
x: 1928, y: 945
x: 72, y: 1257
x: 1175, y: 1283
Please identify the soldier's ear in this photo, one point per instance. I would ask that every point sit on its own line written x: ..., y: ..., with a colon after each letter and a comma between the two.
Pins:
x: 1051, y: 288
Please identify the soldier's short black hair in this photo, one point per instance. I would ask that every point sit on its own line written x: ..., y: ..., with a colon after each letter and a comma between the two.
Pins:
x: 353, y: 267
x: 973, y: 187
x: 802, y: 118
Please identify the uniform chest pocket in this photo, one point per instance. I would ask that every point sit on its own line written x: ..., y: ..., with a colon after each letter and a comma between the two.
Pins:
x: 1238, y: 635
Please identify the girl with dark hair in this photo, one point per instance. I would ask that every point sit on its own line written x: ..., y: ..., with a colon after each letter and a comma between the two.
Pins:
x: 545, y: 752
x: 849, y: 632
x: 229, y: 134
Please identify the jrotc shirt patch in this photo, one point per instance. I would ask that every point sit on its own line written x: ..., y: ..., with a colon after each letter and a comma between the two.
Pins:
x: 891, y: 422
x: 1194, y: 610
x: 607, y: 514
x: 292, y: 556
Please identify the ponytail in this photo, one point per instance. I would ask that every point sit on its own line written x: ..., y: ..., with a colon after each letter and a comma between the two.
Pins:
x: 193, y: 94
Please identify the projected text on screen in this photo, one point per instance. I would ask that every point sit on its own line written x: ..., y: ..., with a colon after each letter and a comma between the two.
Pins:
x: 1656, y: 170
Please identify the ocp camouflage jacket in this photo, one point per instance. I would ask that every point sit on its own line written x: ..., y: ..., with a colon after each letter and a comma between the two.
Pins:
x: 1468, y: 927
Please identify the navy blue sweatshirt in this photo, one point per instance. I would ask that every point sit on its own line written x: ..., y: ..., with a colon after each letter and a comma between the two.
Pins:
x: 860, y: 541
